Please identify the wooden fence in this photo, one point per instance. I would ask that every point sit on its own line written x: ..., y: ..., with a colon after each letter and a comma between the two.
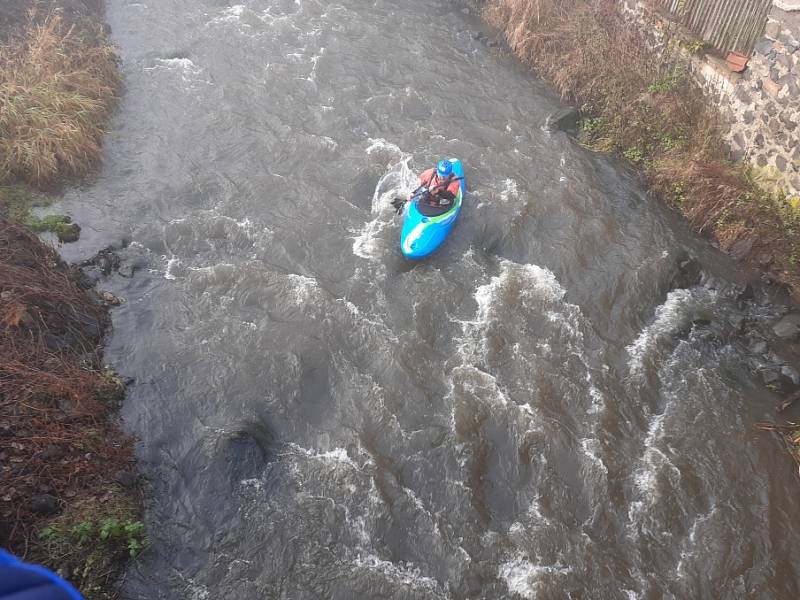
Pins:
x: 728, y: 25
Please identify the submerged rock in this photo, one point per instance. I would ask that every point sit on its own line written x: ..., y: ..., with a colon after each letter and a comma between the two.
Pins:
x: 565, y: 119
x: 247, y: 452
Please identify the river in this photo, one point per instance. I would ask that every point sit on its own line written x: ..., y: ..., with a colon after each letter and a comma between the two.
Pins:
x: 559, y: 404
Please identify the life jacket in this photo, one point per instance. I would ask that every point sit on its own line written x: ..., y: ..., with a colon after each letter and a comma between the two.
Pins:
x: 437, y: 186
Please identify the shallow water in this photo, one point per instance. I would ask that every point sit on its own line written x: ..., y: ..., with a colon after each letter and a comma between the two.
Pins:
x: 542, y: 410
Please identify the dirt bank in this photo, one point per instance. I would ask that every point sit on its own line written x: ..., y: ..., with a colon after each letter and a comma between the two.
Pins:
x: 70, y: 497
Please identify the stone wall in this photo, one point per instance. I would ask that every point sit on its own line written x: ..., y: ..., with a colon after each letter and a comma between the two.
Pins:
x: 762, y: 104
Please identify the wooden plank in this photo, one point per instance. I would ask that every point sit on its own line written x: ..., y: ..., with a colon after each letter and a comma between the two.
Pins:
x: 725, y: 24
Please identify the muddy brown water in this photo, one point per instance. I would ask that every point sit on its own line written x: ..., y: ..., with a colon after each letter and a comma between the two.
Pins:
x: 551, y: 407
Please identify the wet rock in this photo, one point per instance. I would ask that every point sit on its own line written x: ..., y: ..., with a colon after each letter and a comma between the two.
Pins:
x: 105, y: 261
x: 565, y: 119
x: 125, y: 478
x: 110, y: 299
x: 790, y: 374
x: 788, y: 328
x: 68, y: 233
x: 737, y: 322
x: 689, y: 274
x: 52, y: 452
x: 770, y: 376
x: 43, y: 504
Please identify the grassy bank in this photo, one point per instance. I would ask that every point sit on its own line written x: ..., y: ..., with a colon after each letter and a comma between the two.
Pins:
x: 69, y: 493
x: 640, y: 103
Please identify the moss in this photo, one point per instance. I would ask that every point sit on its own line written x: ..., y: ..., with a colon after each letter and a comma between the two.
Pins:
x: 17, y: 203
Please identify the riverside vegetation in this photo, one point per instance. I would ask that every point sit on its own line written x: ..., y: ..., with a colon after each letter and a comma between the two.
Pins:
x: 69, y: 495
x: 638, y: 100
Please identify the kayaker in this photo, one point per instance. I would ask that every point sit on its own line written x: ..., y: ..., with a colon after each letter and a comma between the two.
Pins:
x: 440, y: 183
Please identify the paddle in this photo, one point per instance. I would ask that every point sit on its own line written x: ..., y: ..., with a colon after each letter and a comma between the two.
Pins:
x: 399, y: 203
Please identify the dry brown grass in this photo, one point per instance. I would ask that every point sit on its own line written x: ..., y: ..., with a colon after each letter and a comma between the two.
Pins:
x: 638, y: 100
x: 57, y: 86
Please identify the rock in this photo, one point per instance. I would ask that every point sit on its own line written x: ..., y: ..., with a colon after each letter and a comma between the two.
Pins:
x: 790, y: 374
x: 759, y: 347
x: 763, y: 46
x: 770, y: 376
x: 785, y: 61
x: 790, y: 82
x: 125, y: 478
x: 761, y: 160
x: 65, y: 405
x: 43, y: 504
x: 788, y: 327
x: 741, y: 248
x: 746, y: 293
x: 110, y: 299
x: 770, y: 86
x: 565, y: 119
x: 52, y: 452
x: 773, y: 29
x: 689, y: 273
x: 748, y: 116
x: 786, y: 119
x: 758, y: 140
x: 742, y: 95
x: 737, y: 322
x: 771, y: 109
x: 68, y: 232
x: 780, y: 163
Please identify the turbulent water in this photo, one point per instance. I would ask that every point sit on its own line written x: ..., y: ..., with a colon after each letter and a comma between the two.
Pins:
x: 551, y: 407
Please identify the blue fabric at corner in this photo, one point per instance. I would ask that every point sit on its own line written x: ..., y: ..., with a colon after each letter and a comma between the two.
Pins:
x: 20, y: 581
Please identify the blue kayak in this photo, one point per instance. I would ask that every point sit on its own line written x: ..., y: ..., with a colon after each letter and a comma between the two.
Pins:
x: 424, y: 230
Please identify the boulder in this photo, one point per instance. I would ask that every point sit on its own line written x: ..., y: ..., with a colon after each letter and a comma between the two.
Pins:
x: 788, y: 328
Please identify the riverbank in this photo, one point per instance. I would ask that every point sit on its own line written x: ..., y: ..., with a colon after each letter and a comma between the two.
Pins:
x: 70, y: 497
x: 638, y: 100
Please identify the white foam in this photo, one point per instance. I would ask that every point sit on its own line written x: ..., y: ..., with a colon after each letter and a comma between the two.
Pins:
x: 668, y: 317
x: 172, y: 264
x: 524, y: 577
x: 365, y: 242
x: 509, y: 191
x: 336, y: 456
x: 403, y: 573
x: 231, y: 14
x: 184, y: 64
x: 303, y: 289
